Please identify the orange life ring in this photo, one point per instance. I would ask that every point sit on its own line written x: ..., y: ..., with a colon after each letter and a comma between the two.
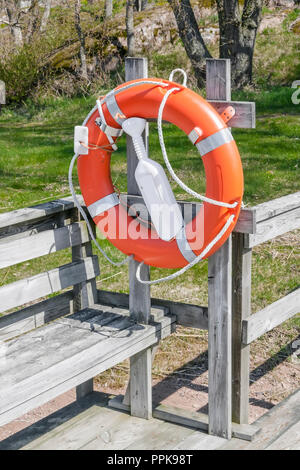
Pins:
x: 224, y: 175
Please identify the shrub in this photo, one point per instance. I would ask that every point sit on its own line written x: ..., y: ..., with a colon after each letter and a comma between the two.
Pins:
x: 20, y: 72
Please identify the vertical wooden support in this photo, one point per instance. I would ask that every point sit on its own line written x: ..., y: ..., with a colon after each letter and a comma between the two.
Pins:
x: 140, y: 388
x: 241, y: 309
x: 85, y: 295
x: 218, y: 87
x: 219, y: 341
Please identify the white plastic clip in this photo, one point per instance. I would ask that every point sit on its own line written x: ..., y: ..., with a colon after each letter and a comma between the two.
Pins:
x: 81, y: 136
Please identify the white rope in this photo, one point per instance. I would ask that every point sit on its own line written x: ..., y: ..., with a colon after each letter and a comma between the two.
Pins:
x: 166, y: 159
x: 195, y: 261
x: 79, y: 207
x: 183, y: 72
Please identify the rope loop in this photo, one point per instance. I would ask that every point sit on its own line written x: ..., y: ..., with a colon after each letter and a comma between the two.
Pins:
x: 183, y: 72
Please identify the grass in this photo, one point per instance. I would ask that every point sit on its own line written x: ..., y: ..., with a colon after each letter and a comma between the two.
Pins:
x: 36, y: 147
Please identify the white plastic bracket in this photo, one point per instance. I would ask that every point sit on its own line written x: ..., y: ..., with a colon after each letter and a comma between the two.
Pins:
x: 81, y: 136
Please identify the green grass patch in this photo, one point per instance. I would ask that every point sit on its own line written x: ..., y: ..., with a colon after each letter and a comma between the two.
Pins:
x: 37, y: 145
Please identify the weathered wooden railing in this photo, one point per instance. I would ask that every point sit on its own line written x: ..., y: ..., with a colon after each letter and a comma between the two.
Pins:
x: 228, y: 315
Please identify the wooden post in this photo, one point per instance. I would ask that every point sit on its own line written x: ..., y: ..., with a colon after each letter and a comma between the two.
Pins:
x: 2, y: 94
x: 140, y: 388
x: 219, y: 293
x: 85, y: 295
x: 241, y: 309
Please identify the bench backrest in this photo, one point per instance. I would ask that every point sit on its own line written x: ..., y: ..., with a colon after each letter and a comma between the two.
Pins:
x: 34, y: 232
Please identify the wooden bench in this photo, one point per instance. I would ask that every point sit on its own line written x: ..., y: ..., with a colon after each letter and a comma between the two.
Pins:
x: 62, y: 341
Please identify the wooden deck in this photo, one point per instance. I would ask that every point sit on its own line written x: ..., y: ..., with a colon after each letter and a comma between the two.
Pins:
x: 90, y: 424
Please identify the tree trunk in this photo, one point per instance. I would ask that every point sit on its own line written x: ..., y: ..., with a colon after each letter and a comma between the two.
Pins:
x: 141, y: 5
x: 81, y: 37
x: 45, y: 16
x: 108, y: 8
x: 13, y: 14
x: 130, y: 27
x: 237, y: 36
x: 33, y: 14
x: 191, y: 37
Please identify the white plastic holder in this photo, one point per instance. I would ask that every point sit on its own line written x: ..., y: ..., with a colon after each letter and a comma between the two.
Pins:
x: 153, y: 183
x: 81, y: 136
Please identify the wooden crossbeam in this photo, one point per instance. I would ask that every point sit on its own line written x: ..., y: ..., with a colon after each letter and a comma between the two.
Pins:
x: 271, y: 316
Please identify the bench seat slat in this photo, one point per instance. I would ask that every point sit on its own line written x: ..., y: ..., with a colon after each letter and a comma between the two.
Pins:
x: 34, y: 316
x: 87, y: 356
x: 20, y: 292
x: 17, y: 250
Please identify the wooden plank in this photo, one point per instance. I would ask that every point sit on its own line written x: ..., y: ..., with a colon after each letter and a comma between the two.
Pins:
x: 288, y: 440
x: 219, y: 341
x: 244, y: 113
x: 273, y: 315
x: 139, y: 294
x: 189, y: 315
x: 2, y: 93
x: 79, y: 367
x: 36, y: 315
x: 246, y: 222
x: 96, y: 422
x: 218, y: 87
x: 218, y: 79
x: 164, y: 436
x: 39, y: 432
x: 241, y: 309
x: 201, y: 421
x: 30, y: 214
x: 31, y: 228
x: 272, y: 424
x: 188, y: 418
x: 200, y: 441
x: 85, y: 295
x: 20, y: 292
x: 277, y: 206
x: 13, y: 251
x: 274, y: 227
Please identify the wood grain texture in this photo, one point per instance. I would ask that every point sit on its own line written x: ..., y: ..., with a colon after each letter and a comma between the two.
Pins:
x: 244, y: 113
x: 45, y: 223
x: 277, y: 206
x: 186, y: 314
x: 241, y: 309
x: 84, y: 355
x: 20, y: 292
x: 139, y: 294
x: 218, y: 87
x: 246, y: 222
x: 273, y: 227
x: 31, y: 246
x: 37, y: 212
x: 273, y: 315
x: 218, y: 79
x: 272, y: 424
x: 36, y: 315
x: 189, y: 418
x: 219, y: 341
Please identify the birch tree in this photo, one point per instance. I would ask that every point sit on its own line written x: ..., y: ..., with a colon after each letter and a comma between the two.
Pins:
x: 108, y: 8
x: 130, y: 27
x: 46, y: 15
x: 81, y: 37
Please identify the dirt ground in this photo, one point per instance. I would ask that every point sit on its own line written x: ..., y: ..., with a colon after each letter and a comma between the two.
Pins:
x: 271, y: 379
